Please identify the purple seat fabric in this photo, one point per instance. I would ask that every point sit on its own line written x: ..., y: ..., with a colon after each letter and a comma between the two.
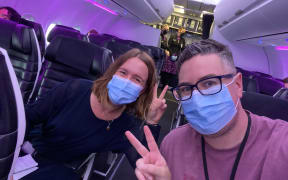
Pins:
x: 269, y: 86
x: 65, y: 31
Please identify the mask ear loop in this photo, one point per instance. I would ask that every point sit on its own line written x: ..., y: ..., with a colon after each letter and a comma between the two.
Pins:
x: 238, y: 98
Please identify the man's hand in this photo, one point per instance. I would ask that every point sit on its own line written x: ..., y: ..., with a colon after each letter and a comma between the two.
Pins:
x: 152, y: 165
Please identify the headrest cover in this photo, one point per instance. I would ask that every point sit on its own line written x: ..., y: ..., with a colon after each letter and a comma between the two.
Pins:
x: 21, y: 40
x: 60, y: 30
x: 73, y: 53
x: 37, y: 28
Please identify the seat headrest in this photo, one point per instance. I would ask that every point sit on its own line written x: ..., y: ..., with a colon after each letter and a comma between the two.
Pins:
x: 129, y: 42
x: 156, y: 52
x: 60, y: 30
x: 265, y: 105
x: 263, y: 74
x: 77, y: 54
x: 15, y: 36
x: 37, y: 28
x: 99, y: 40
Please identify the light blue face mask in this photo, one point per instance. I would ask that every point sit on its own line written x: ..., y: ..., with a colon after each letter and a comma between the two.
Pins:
x: 123, y: 91
x: 174, y: 58
x: 209, y: 114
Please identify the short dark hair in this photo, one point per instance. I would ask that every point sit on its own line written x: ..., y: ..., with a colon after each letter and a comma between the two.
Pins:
x: 206, y: 47
x: 14, y: 15
x: 285, y: 80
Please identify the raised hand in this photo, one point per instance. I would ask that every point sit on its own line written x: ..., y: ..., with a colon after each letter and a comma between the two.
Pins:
x: 157, y: 107
x: 152, y: 165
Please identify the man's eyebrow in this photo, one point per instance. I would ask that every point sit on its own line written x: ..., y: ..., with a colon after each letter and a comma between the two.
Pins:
x: 204, y: 77
x: 207, y: 76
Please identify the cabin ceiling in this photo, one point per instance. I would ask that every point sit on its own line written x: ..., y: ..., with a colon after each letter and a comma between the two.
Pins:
x: 194, y: 8
x: 195, y: 5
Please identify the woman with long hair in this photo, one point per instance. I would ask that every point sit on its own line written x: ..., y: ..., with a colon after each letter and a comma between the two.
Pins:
x: 80, y: 117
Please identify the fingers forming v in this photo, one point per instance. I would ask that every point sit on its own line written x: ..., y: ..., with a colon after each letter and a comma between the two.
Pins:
x: 136, y: 144
x: 163, y: 92
x: 150, y: 140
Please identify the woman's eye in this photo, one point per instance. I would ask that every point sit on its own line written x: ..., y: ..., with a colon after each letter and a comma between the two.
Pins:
x: 138, y: 80
x: 122, y: 72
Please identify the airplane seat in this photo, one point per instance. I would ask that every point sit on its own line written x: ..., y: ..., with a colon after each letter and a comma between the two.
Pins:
x: 248, y: 74
x: 281, y: 94
x: 268, y: 85
x: 21, y: 43
x: 84, y: 37
x: 117, y: 48
x: 158, y: 56
x: 265, y: 105
x: 99, y: 40
x: 129, y: 42
x: 263, y: 74
x: 39, y: 33
x: 250, y: 84
x: 68, y: 58
x: 60, y: 30
x: 111, y: 36
x: 12, y: 117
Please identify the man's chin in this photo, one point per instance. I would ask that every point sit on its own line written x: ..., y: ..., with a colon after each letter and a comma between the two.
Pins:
x: 223, y: 131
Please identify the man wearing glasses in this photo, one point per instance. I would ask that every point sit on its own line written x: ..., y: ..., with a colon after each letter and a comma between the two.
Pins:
x: 221, y: 140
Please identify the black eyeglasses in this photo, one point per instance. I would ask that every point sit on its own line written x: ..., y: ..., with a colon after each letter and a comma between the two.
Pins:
x: 207, y: 86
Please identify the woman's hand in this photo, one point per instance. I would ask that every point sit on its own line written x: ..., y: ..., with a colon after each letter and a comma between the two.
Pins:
x: 152, y: 165
x: 158, y: 106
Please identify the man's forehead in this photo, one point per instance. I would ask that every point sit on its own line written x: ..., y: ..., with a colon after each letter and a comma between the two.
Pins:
x: 201, y: 66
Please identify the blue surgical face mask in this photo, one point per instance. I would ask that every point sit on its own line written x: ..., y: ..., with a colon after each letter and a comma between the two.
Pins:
x: 123, y: 91
x: 174, y: 58
x: 209, y: 114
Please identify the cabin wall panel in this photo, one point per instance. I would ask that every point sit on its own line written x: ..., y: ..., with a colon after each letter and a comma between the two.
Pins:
x: 278, y: 61
x: 81, y: 14
x: 249, y: 57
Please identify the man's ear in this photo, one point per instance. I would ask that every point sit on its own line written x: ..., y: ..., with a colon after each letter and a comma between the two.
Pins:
x: 239, y: 84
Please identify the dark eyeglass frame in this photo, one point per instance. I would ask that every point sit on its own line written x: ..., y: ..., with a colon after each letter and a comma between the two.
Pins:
x: 196, y: 85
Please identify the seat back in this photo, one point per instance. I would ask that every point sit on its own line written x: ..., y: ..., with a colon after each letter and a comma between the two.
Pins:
x: 265, y: 105
x: 60, y: 30
x: 250, y: 84
x: 99, y: 40
x: 269, y: 85
x: 68, y: 58
x: 22, y: 46
x: 117, y: 48
x: 39, y: 34
x: 158, y: 55
x: 12, y: 117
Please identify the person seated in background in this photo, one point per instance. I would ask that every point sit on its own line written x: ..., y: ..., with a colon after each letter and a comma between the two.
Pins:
x: 285, y: 82
x: 80, y: 117
x: 221, y: 139
x: 9, y: 13
x: 93, y: 32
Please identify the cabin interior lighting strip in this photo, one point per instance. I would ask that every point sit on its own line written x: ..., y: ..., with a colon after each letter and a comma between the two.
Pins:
x: 102, y: 7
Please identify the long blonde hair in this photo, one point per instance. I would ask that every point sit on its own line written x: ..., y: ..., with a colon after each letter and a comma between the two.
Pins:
x: 141, y: 106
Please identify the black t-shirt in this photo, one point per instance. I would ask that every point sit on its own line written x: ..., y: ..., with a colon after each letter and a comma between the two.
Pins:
x: 69, y: 129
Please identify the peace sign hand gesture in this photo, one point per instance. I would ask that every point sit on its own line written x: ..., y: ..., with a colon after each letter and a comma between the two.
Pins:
x: 157, y: 107
x: 152, y: 165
